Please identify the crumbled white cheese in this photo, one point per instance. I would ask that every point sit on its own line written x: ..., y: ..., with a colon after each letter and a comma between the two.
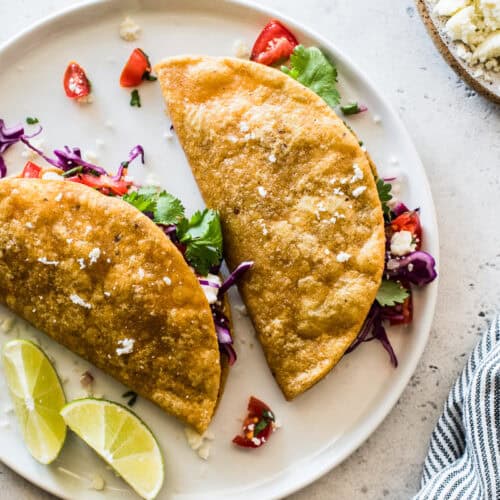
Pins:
x: 358, y: 191
x: 262, y: 191
x: 488, y: 50
x: 344, y: 180
x: 107, y: 294
x: 327, y: 252
x: 59, y: 197
x: 76, y: 299
x: 449, y: 7
x: 129, y: 30
x: 94, y: 255
x: 244, y: 127
x: 377, y: 119
x: 204, y: 451
x: 241, y: 49
x: 402, y: 243
x: 109, y: 124
x: 343, y: 256
x: 88, y: 229
x: 232, y: 138
x: 81, y: 261
x: 141, y: 273
x: 358, y: 173
x: 90, y: 156
x: 393, y: 160
x: 86, y: 99
x: 44, y: 260
x: 29, y: 225
x: 126, y: 346
x: 241, y: 309
x: 29, y: 153
x: 338, y: 191
x: 69, y: 240
x: 272, y: 158
x: 211, y: 291
x: 167, y: 280
x: 52, y: 176
x: 199, y: 442
x: 97, y: 482
x: 8, y: 324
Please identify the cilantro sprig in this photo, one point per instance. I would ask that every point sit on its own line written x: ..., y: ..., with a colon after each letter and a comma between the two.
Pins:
x: 135, y: 98
x: 391, y: 293
x: 201, y: 234
x: 384, y: 193
x: 166, y: 208
x: 310, y: 67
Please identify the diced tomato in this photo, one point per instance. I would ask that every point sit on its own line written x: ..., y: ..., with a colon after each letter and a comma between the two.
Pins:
x: 257, y: 427
x: 136, y: 67
x: 409, y: 221
x: 31, y: 171
x: 76, y: 83
x: 275, y: 43
x: 103, y: 183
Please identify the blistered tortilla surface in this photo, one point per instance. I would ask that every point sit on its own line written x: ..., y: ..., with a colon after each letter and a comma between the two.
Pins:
x: 296, y: 195
x: 102, y: 279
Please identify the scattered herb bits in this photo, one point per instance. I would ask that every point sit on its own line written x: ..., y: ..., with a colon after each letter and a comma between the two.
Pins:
x: 135, y: 98
x: 31, y: 121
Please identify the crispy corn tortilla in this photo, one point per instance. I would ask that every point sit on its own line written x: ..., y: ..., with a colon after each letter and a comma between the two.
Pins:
x: 296, y: 195
x: 92, y: 272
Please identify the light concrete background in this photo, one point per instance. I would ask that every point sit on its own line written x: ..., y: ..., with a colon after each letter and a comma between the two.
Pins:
x: 457, y: 134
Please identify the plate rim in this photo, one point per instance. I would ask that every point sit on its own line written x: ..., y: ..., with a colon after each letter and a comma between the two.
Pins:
x: 369, y: 423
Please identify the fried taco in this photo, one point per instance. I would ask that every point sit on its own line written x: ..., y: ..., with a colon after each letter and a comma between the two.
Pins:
x: 296, y: 195
x: 103, y: 279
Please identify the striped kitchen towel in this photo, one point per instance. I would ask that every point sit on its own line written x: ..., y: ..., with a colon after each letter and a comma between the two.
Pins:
x: 463, y: 461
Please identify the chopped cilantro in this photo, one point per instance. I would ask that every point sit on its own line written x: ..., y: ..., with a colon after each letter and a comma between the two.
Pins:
x: 391, y: 293
x: 169, y: 209
x: 310, y: 67
x: 351, y: 109
x: 166, y: 208
x: 132, y: 397
x: 31, y: 121
x: 149, y: 77
x: 202, y: 235
x: 135, y: 98
x: 268, y: 414
x: 260, y: 426
x: 384, y: 193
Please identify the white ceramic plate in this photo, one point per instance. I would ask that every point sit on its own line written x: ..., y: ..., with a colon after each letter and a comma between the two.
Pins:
x: 320, y: 428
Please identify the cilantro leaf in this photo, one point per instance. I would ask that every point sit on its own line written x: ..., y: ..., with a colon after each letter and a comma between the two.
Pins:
x: 391, y: 293
x: 202, y: 235
x: 260, y: 426
x: 31, y: 121
x: 166, y: 208
x: 351, y: 109
x: 169, y: 209
x: 311, y: 68
x: 384, y: 193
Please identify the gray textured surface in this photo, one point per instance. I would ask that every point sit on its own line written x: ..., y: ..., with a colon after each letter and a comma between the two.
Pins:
x: 457, y: 135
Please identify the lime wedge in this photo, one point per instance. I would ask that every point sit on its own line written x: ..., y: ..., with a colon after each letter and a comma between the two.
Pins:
x: 38, y: 398
x: 122, y: 439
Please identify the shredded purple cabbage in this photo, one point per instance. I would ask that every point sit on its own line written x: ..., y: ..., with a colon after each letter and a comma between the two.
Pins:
x: 8, y: 137
x: 418, y: 267
x: 134, y: 153
x: 373, y: 328
x: 208, y: 283
x: 399, y: 208
x: 223, y: 333
x: 234, y: 276
x: 66, y: 159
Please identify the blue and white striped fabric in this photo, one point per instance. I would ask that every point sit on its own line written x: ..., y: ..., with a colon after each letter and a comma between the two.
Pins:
x: 464, y: 452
